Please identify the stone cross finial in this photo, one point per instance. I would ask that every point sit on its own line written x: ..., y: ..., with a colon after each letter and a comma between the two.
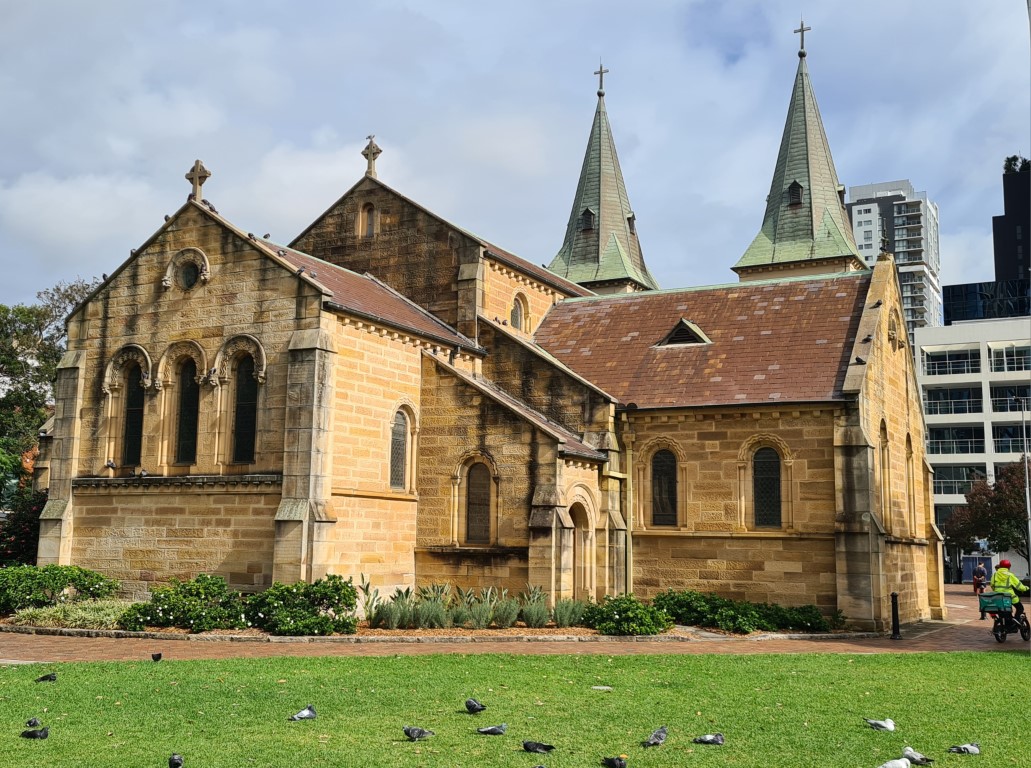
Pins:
x: 802, y: 29
x: 370, y: 153
x: 600, y: 72
x: 197, y: 176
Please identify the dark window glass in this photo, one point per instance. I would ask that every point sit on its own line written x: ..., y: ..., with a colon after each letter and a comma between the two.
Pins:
x: 766, y: 488
x: 132, y: 439
x: 188, y: 274
x: 245, y: 411
x: 398, y: 443
x: 189, y: 403
x: 477, y: 505
x: 664, y: 488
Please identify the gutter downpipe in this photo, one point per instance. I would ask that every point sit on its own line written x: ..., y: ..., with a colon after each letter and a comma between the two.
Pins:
x: 628, y: 439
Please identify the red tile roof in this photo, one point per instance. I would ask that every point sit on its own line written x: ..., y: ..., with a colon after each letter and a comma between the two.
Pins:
x: 365, y: 296
x: 772, y: 341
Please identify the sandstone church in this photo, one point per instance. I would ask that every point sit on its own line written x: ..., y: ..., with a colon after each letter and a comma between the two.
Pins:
x: 390, y: 395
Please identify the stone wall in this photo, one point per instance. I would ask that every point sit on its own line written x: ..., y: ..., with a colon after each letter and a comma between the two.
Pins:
x: 502, y: 284
x: 146, y: 531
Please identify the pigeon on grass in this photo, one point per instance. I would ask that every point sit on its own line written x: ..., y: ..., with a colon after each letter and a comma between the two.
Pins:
x: 473, y: 707
x: 915, y: 757
x: 415, y: 733
x: 657, y: 739
x: 493, y: 730
x: 537, y: 747
x: 710, y: 738
x: 36, y: 733
x: 967, y: 749
x: 52, y: 677
x: 900, y: 762
x: 614, y: 762
x: 175, y: 761
x: 155, y: 656
x: 308, y: 713
x: 887, y: 724
x: 32, y: 722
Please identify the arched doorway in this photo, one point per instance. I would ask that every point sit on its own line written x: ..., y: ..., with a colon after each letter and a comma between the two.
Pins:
x: 584, y: 585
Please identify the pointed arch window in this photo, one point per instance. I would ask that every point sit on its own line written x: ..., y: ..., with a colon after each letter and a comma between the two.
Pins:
x: 186, y: 417
x: 245, y: 411
x: 477, y: 504
x: 132, y: 435
x: 664, y: 488
x: 398, y: 450
x: 766, y: 488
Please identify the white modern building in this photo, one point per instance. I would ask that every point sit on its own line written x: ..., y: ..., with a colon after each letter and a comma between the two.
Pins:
x: 907, y: 223
x: 974, y: 378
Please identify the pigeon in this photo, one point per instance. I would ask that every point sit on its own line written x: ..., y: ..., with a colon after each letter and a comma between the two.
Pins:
x: 614, y: 762
x: 32, y: 722
x: 493, y: 730
x: 967, y: 749
x: 175, y: 761
x: 52, y: 677
x: 110, y: 464
x: 472, y: 706
x: 915, y: 757
x: 877, y: 303
x: 156, y: 656
x: 657, y: 738
x: 901, y: 762
x: 859, y: 360
x: 308, y: 713
x: 39, y: 733
x: 887, y: 724
x: 710, y: 738
x: 537, y: 747
x: 415, y: 733
x: 143, y: 473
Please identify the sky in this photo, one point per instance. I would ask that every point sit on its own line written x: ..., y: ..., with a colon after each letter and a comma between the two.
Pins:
x: 483, y: 110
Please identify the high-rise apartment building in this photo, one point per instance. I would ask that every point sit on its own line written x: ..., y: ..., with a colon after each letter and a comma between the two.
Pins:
x: 1011, y: 232
x: 905, y: 222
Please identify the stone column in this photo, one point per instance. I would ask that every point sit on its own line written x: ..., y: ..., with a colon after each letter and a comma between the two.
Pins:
x: 307, y: 459
x: 56, y: 523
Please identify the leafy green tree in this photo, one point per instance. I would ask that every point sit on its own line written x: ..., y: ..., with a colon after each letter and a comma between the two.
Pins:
x: 996, y: 512
x: 32, y: 340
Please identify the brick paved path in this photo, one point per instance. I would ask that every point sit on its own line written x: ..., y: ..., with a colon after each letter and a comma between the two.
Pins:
x: 961, y: 632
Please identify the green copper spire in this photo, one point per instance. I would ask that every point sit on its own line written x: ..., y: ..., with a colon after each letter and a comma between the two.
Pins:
x: 601, y: 250
x: 805, y: 225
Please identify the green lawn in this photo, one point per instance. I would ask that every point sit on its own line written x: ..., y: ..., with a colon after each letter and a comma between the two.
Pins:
x: 774, y: 710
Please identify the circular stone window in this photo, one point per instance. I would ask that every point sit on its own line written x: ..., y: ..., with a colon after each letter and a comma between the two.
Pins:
x: 189, y: 273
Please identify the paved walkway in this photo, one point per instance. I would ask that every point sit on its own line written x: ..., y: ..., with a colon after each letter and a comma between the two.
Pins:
x: 961, y: 632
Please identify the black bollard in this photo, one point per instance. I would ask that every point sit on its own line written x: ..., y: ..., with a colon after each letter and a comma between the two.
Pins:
x: 895, y: 634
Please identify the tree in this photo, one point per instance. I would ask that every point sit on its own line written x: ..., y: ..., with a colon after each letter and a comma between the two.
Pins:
x: 32, y: 340
x: 997, y: 512
x: 1016, y: 164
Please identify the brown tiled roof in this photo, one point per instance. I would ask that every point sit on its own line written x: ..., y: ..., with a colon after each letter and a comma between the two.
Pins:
x: 569, y: 442
x: 772, y: 341
x: 365, y: 296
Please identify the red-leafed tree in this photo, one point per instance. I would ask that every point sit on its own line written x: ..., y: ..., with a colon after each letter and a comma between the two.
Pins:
x: 995, y: 511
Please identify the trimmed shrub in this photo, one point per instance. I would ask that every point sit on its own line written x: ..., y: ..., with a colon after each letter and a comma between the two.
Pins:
x: 697, y: 609
x: 505, y: 613
x: 626, y: 615
x: 568, y: 613
x: 324, y: 607
x: 88, y: 614
x: 198, y: 605
x: 387, y: 616
x: 535, y: 614
x: 26, y: 586
x: 460, y: 615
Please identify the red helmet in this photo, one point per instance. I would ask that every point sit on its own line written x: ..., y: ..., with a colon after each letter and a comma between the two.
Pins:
x: 1004, y: 563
